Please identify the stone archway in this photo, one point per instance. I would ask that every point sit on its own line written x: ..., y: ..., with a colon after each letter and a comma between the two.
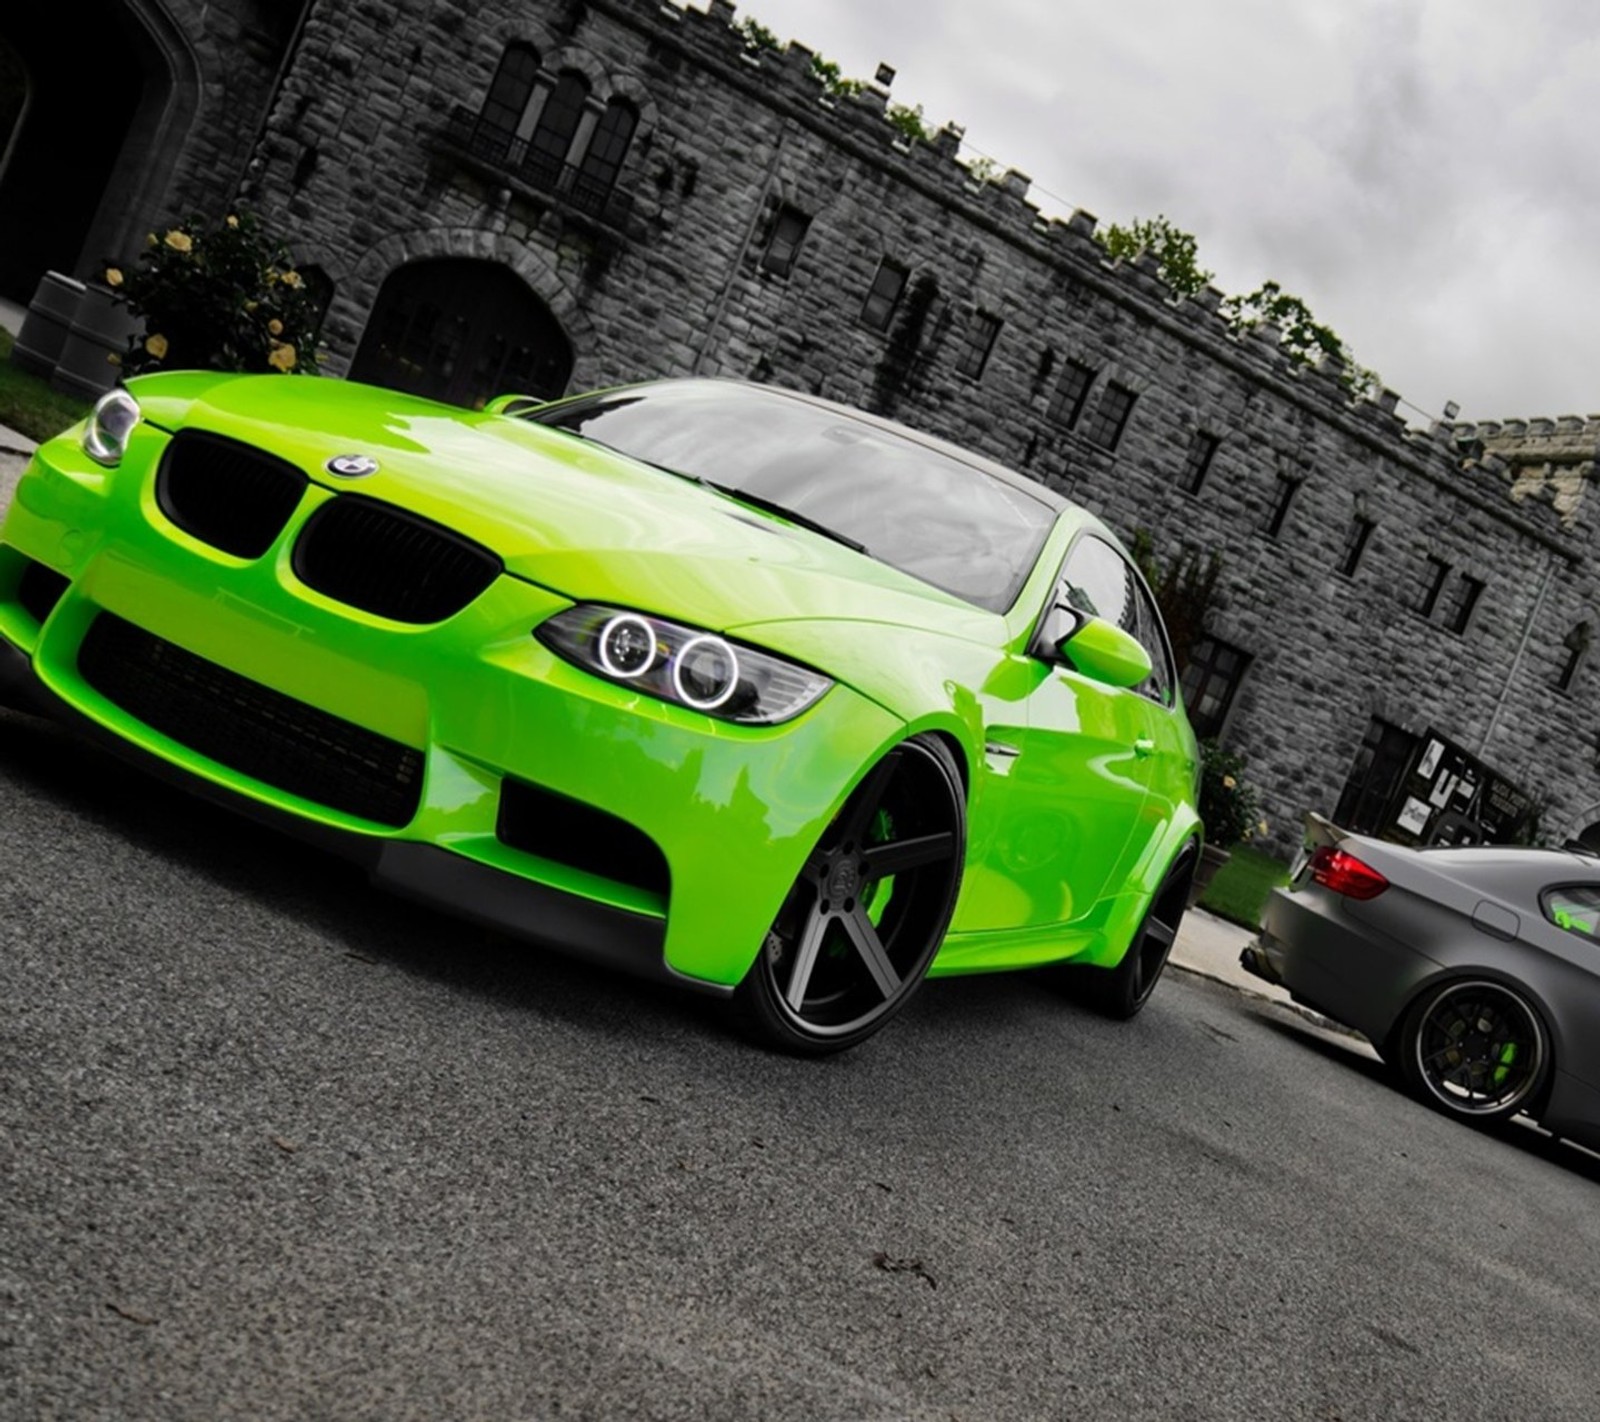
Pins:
x: 59, y: 159
x: 462, y: 330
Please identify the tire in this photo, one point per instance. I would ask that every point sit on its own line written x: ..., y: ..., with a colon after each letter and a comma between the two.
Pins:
x: 854, y: 938
x: 1474, y: 1049
x: 1121, y: 992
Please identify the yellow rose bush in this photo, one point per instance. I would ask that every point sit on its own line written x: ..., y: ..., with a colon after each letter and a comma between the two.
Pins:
x: 1228, y: 806
x: 220, y: 297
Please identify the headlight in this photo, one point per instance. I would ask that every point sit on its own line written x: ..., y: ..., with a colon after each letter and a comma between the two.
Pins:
x: 105, y: 439
x: 685, y: 665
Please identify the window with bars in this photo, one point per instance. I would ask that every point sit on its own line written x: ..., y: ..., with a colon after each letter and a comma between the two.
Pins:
x: 1110, y: 417
x: 789, y: 230
x: 550, y: 129
x: 608, y: 146
x: 1467, y: 595
x: 1197, y: 462
x: 1278, y: 514
x: 1210, y: 681
x: 888, y: 285
x: 1355, y: 544
x: 507, y: 100
x: 558, y: 123
x: 982, y: 332
x: 1072, y: 389
x: 1433, y: 585
x: 1577, y: 649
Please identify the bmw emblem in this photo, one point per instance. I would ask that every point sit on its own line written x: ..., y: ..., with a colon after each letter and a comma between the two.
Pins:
x: 352, y: 466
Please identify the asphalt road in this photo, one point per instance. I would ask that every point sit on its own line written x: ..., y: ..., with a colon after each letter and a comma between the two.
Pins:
x: 275, y: 1146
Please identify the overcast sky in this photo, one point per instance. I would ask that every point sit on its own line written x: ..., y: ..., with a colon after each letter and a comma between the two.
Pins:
x: 1424, y: 173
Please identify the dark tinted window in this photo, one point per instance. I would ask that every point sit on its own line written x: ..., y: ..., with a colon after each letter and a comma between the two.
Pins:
x: 911, y: 505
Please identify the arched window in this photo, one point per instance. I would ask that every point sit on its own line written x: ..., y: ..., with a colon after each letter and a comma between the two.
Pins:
x: 558, y: 126
x: 508, y: 97
x: 597, y: 174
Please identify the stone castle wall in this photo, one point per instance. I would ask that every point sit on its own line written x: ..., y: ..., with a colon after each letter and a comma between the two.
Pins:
x: 358, y: 165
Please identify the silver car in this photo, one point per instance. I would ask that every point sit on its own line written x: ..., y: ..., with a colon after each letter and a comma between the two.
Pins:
x: 1474, y: 971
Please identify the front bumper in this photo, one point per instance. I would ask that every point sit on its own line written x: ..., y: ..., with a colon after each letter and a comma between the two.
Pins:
x: 733, y: 810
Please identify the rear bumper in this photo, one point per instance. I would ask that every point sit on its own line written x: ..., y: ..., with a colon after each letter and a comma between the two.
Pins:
x: 1334, y: 963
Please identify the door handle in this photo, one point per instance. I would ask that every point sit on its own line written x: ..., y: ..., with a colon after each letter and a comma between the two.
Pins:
x: 1143, y: 747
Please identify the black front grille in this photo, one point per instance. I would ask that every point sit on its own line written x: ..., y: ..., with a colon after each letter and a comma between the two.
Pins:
x: 259, y: 732
x: 40, y: 589
x: 569, y: 832
x: 227, y: 494
x: 392, y: 564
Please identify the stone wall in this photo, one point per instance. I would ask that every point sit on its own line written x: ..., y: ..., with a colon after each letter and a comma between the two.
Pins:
x: 359, y: 164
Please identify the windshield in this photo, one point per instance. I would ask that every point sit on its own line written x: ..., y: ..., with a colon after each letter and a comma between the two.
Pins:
x: 904, y: 502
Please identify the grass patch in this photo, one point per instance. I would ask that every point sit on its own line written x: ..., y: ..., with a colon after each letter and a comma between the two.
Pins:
x: 1239, y: 892
x: 28, y: 404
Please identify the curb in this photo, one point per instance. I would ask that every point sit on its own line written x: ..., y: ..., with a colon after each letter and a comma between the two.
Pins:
x: 1316, y: 1019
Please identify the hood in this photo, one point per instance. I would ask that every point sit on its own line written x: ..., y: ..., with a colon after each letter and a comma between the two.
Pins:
x: 571, y: 516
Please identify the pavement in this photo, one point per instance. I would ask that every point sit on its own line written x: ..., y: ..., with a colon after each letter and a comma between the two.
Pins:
x: 1206, y: 945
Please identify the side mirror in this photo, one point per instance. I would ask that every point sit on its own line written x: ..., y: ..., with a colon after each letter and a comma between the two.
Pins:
x: 1103, y: 652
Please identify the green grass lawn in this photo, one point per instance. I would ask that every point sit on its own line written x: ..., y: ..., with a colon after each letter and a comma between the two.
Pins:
x: 1239, y: 892
x: 28, y: 404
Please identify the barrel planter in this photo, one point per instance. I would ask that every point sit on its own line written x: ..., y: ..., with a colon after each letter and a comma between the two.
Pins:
x: 100, y: 331
x: 48, y: 323
x: 1211, y: 860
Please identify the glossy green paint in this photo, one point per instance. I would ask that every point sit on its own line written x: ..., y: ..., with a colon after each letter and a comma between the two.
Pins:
x: 1080, y: 795
x: 1106, y: 653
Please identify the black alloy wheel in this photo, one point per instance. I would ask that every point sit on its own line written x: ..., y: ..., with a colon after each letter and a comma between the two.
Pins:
x: 1121, y: 992
x: 1475, y: 1049
x: 856, y: 934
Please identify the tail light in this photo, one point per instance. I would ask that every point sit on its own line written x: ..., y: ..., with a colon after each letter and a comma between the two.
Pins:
x: 1334, y: 869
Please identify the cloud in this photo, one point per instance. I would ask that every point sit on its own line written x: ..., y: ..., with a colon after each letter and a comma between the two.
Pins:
x: 1423, y: 174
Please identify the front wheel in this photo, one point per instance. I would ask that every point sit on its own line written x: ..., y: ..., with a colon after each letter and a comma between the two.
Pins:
x: 857, y: 932
x: 1475, y: 1050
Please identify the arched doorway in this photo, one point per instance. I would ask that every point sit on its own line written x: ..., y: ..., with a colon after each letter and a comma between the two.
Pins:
x: 59, y: 152
x: 462, y: 330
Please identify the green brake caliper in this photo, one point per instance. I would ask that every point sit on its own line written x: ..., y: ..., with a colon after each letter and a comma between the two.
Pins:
x: 1508, y: 1055
x: 881, y: 831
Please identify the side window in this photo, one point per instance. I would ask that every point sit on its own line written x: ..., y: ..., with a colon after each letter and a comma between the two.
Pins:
x: 1153, y: 638
x: 1574, y: 907
x: 1097, y: 579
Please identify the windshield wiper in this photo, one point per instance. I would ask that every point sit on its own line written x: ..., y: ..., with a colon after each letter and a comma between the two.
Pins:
x: 758, y: 501
x: 772, y: 506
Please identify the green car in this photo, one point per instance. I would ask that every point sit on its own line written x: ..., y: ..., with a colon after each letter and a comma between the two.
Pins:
x: 718, y: 683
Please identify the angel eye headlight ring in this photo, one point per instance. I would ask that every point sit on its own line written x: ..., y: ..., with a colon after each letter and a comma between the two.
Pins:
x: 626, y: 646
x: 705, y: 672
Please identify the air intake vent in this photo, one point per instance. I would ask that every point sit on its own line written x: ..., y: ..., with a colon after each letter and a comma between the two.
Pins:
x: 227, y: 494
x: 250, y: 728
x: 40, y: 589
x: 569, y: 832
x: 372, y: 556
